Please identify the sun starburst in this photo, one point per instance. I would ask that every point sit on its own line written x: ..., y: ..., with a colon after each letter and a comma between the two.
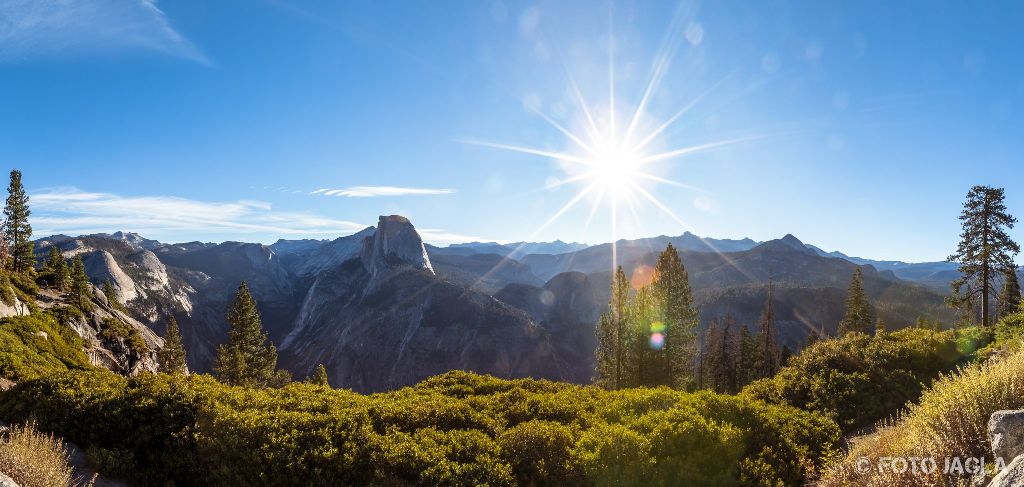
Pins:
x: 610, y: 157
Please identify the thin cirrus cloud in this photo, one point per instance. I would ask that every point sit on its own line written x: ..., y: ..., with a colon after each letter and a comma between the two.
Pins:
x: 31, y: 28
x: 72, y: 211
x: 373, y: 191
x: 75, y: 212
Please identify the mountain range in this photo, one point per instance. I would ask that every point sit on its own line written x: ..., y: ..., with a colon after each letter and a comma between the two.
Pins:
x: 381, y: 309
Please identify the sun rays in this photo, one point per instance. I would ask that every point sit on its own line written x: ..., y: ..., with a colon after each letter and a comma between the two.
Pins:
x: 613, y: 150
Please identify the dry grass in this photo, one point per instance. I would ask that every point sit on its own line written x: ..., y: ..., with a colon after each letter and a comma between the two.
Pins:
x: 34, y: 459
x: 951, y: 420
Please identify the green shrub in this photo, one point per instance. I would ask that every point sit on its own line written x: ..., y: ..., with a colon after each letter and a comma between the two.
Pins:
x: 27, y: 354
x: 24, y: 284
x: 114, y: 330
x: 858, y: 379
x: 1007, y: 336
x: 455, y: 429
x: 6, y: 289
x: 539, y: 451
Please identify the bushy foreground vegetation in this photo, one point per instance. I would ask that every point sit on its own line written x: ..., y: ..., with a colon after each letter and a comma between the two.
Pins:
x: 454, y: 429
x: 34, y: 345
x: 950, y: 421
x: 34, y: 459
x: 859, y: 379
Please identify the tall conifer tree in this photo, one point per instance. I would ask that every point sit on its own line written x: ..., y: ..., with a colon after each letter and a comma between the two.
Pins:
x: 647, y: 339
x: 172, y: 356
x: 858, y: 310
x: 59, y: 268
x: 747, y: 369
x: 985, y: 251
x: 1009, y: 298
x: 247, y: 359
x: 671, y: 287
x: 613, y: 334
x: 319, y: 376
x: 81, y: 288
x: 17, y: 231
x: 767, y: 339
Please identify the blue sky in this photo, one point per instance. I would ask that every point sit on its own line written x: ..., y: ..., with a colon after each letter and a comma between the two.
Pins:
x: 856, y: 126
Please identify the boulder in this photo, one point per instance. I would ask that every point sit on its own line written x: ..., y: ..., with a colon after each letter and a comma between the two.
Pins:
x: 1006, y: 433
x: 1011, y: 476
x: 6, y: 481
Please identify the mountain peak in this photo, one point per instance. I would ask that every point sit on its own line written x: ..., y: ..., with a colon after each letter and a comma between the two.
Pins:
x: 792, y: 240
x: 789, y: 243
x: 395, y: 242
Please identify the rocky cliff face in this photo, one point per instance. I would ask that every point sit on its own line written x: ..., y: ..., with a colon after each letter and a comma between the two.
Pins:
x: 395, y: 243
x: 384, y: 320
x: 126, y: 347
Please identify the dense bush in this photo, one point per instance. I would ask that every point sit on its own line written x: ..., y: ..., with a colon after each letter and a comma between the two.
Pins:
x: 858, y: 379
x: 24, y: 284
x: 1007, y: 336
x: 114, y: 329
x: 454, y: 429
x: 6, y: 289
x: 25, y: 353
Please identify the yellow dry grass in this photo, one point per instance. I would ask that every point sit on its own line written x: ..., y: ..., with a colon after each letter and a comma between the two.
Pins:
x: 950, y: 421
x: 34, y: 459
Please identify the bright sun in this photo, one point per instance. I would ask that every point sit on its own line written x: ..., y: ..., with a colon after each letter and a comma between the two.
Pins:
x: 610, y: 160
x: 615, y: 168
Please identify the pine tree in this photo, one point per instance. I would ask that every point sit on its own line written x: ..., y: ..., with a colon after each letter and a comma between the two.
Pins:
x: 879, y: 327
x: 647, y: 339
x: 1009, y: 299
x: 710, y: 356
x: 605, y: 352
x: 727, y: 370
x: 319, y: 376
x: 172, y: 356
x: 785, y: 355
x: 81, y: 288
x: 767, y: 340
x: 246, y: 359
x: 671, y: 289
x: 986, y: 250
x: 111, y: 295
x: 747, y: 369
x: 722, y: 370
x: 59, y: 268
x: 5, y: 252
x: 613, y: 334
x: 858, y: 311
x: 18, y: 232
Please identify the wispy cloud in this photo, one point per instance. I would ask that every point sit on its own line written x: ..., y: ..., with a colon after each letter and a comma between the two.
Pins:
x: 31, y: 28
x: 72, y: 211
x: 444, y: 237
x: 371, y: 191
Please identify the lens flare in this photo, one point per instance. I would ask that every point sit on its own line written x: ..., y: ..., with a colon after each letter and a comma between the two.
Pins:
x: 657, y: 341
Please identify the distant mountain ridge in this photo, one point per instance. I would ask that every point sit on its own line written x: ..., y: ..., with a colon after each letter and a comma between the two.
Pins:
x: 517, y: 248
x: 934, y: 274
x: 381, y: 309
